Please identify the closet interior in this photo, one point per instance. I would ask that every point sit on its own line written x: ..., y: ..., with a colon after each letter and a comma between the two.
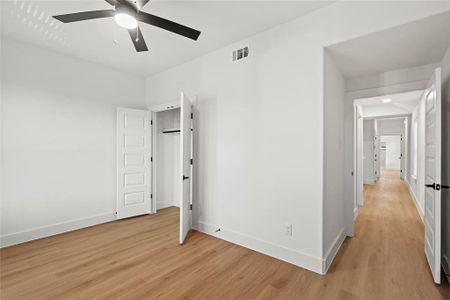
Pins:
x: 167, y: 156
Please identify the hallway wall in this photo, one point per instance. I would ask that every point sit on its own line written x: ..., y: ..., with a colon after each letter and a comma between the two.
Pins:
x: 333, y: 187
x: 368, y: 151
x: 416, y: 181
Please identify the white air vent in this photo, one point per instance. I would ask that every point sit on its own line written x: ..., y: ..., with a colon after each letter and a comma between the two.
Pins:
x: 240, y: 53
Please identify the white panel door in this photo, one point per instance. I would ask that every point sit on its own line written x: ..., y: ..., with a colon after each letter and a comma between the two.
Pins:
x: 185, y: 144
x: 432, y: 217
x: 133, y: 162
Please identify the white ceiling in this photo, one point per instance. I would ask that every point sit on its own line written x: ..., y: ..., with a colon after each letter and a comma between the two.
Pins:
x: 401, y: 104
x: 418, y: 43
x: 221, y: 23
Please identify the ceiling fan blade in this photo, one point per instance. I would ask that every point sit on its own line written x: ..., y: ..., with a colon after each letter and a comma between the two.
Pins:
x: 86, y: 15
x: 142, y: 3
x: 168, y: 25
x: 112, y: 2
x: 138, y: 40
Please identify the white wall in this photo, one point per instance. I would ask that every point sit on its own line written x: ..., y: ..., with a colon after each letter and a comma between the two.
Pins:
x: 58, y: 140
x: 259, y: 145
x: 393, y: 151
x: 446, y: 162
x: 359, y: 155
x: 333, y: 181
x: 416, y: 181
x: 368, y: 155
x: 391, y: 126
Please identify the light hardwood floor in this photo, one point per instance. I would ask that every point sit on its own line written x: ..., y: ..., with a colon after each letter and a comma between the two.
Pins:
x: 139, y: 258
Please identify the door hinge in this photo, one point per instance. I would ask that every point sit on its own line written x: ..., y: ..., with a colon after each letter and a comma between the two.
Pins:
x: 151, y: 196
x: 352, y: 173
x: 151, y: 122
x: 192, y: 115
x: 151, y: 159
x: 192, y: 161
x: 190, y: 206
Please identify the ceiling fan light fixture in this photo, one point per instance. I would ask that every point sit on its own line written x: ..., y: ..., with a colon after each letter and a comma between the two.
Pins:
x: 125, y: 20
x: 386, y: 100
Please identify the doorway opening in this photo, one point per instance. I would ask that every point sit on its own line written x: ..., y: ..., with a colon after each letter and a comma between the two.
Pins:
x: 172, y: 161
x: 366, y: 76
x: 390, y: 150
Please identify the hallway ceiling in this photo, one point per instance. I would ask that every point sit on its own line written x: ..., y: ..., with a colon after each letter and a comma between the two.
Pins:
x: 101, y: 41
x: 414, y: 44
x: 400, y: 104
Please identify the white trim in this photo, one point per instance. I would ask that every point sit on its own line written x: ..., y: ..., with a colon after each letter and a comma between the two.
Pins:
x: 355, y: 213
x: 369, y: 181
x: 416, y: 203
x: 289, y: 255
x: 166, y: 106
x: 164, y: 204
x: 331, y: 253
x: 49, y: 230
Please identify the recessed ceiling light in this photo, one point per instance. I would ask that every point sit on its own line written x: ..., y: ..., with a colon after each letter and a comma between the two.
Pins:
x: 387, y: 100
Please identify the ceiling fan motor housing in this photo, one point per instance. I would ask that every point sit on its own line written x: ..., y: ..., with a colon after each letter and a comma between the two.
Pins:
x: 124, y: 7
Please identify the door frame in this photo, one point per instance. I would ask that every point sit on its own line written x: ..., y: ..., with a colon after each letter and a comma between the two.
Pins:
x: 353, y: 208
x: 154, y: 111
x: 403, y: 159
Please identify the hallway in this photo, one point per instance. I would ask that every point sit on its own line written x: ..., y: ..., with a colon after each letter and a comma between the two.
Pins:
x: 387, y: 252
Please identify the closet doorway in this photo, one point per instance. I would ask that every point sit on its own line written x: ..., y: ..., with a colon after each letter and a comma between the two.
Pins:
x: 154, y: 161
x: 172, y: 160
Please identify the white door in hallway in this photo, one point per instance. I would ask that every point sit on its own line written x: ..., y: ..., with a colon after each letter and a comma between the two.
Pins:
x: 432, y: 217
x: 185, y: 176
x: 133, y: 162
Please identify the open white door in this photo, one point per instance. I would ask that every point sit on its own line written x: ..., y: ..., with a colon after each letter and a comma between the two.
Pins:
x: 185, y: 143
x: 432, y: 217
x: 133, y: 162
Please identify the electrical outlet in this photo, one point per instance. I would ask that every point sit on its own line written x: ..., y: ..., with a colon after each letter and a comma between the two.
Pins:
x: 288, y: 229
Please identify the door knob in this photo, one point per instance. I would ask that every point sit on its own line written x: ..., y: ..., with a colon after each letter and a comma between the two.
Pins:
x: 185, y: 177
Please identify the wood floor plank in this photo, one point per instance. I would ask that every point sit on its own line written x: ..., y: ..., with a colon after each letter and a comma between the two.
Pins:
x: 139, y: 258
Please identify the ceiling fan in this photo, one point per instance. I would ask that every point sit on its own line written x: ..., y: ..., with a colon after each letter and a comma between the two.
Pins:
x: 127, y: 13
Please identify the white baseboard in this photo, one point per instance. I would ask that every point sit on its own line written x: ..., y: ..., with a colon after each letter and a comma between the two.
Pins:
x: 369, y: 181
x: 289, y: 255
x: 416, y: 203
x: 331, y: 253
x: 163, y: 204
x: 49, y: 230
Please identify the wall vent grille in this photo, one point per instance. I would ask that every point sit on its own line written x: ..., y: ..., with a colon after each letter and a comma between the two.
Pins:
x: 240, y: 53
